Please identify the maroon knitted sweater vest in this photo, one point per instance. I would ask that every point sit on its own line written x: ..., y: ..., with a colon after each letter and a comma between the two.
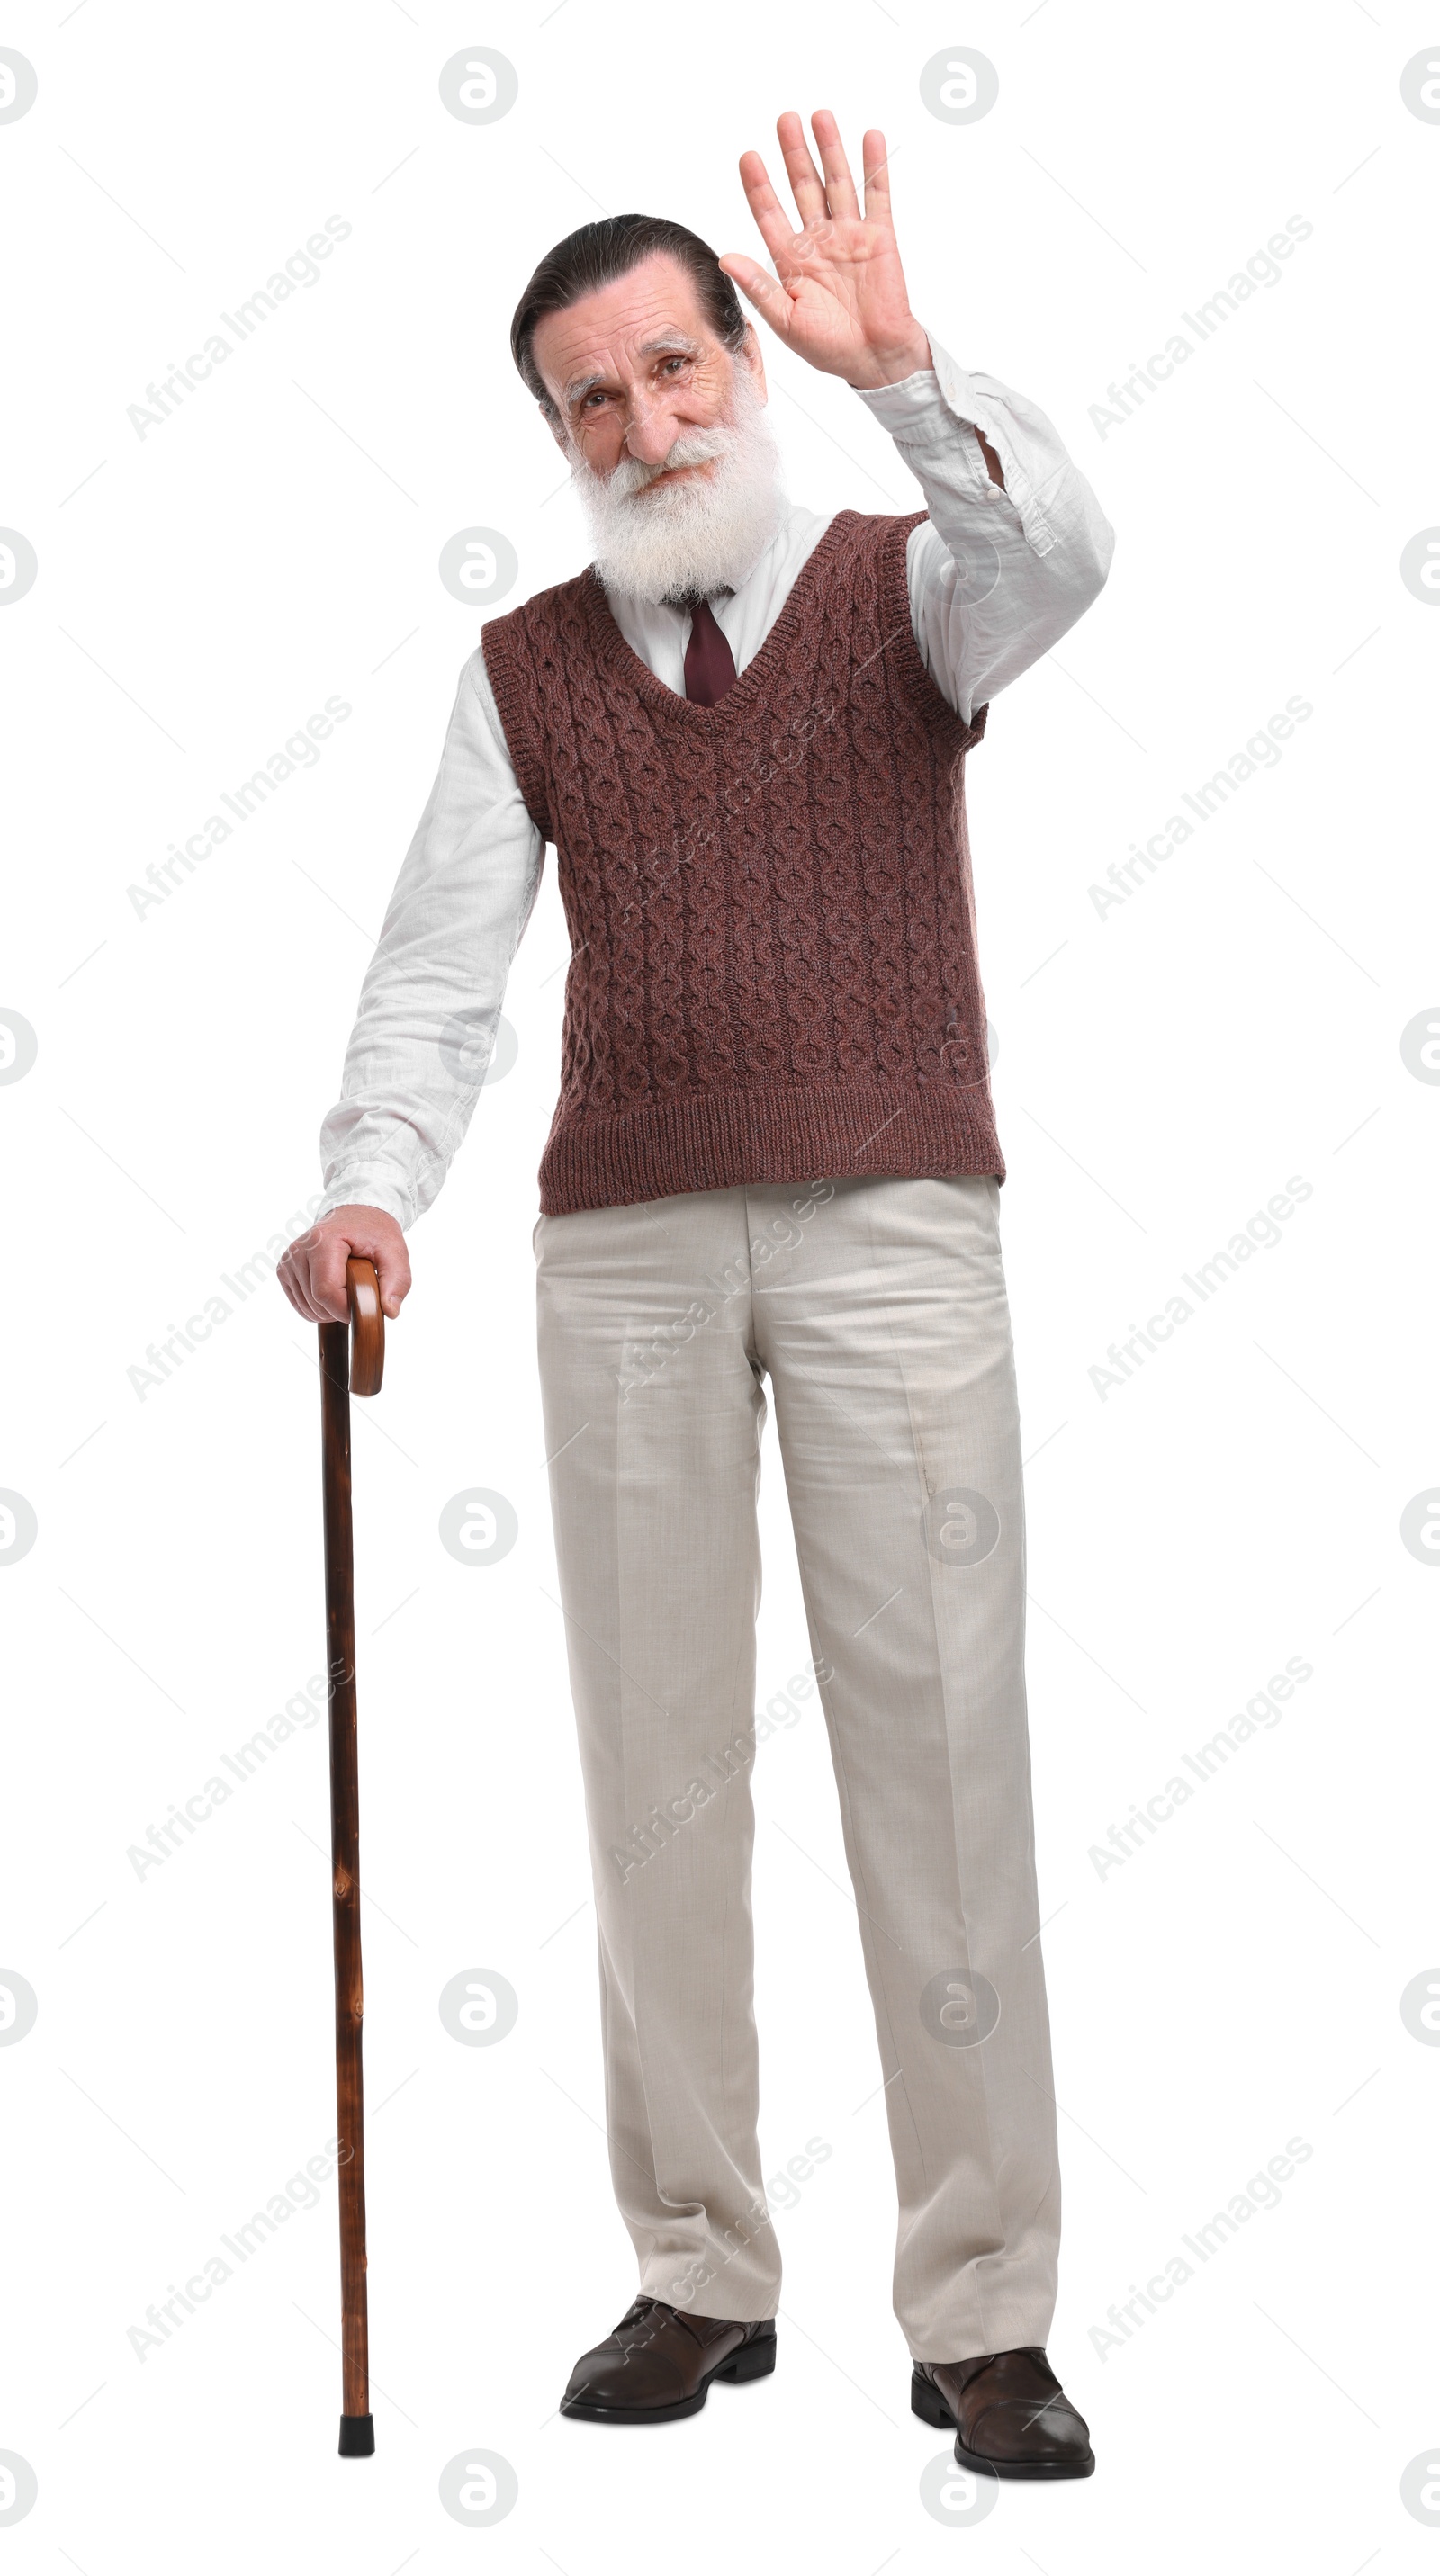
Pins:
x: 773, y: 974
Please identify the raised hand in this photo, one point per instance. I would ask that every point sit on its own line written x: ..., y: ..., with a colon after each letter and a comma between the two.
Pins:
x: 840, y: 302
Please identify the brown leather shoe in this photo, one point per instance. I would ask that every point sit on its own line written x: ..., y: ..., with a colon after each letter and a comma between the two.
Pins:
x: 1010, y: 2412
x: 659, y: 2362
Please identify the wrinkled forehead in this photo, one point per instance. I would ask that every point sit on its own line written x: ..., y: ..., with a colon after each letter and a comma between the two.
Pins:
x: 619, y: 331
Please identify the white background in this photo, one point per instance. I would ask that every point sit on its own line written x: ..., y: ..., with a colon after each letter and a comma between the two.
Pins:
x: 1162, y: 1071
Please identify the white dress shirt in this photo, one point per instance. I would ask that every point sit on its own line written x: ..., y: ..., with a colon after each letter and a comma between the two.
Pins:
x: 995, y: 578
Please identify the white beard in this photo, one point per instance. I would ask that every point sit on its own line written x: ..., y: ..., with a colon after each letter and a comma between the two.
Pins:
x: 698, y: 535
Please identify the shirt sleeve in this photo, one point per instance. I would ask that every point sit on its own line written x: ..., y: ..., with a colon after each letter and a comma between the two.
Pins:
x: 430, y: 1003
x: 996, y: 576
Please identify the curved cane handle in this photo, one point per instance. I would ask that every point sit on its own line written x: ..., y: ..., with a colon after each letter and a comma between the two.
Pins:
x: 367, y: 1326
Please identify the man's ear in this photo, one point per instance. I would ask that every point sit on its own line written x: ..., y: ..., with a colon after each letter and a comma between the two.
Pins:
x: 554, y: 424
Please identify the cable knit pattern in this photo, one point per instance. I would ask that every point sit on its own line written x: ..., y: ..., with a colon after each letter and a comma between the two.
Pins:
x: 774, y: 972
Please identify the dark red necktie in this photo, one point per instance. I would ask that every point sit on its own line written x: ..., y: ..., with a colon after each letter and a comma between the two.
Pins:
x: 709, y: 662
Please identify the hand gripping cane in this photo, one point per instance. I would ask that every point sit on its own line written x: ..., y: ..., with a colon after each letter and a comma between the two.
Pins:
x: 343, y: 1374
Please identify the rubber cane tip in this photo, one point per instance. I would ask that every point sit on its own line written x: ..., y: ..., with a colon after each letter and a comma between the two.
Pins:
x: 357, y: 2437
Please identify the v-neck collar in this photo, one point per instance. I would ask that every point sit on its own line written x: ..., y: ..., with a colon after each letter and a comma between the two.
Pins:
x: 615, y: 647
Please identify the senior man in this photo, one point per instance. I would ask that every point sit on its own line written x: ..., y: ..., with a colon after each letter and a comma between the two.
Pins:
x: 774, y: 1158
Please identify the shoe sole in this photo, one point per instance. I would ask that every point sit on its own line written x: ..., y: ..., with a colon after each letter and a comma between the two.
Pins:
x: 752, y: 2361
x: 927, y: 2402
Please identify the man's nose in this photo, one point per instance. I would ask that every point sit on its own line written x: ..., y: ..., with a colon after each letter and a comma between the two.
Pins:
x: 650, y: 432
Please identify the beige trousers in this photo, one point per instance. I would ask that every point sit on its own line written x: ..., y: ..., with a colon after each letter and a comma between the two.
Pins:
x: 876, y: 1308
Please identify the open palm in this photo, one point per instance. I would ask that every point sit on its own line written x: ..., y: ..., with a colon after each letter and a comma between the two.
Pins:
x: 840, y: 302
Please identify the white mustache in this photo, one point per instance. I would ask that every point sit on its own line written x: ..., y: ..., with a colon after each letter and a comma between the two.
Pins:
x: 694, y: 447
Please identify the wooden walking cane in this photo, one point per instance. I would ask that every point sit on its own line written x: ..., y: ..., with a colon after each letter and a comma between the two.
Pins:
x: 341, y: 1376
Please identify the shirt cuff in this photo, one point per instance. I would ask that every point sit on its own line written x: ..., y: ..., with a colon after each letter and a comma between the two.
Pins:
x: 363, y: 1189
x: 922, y: 412
x: 917, y: 404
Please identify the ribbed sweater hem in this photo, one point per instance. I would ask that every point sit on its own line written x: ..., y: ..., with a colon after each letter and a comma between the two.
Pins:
x: 717, y: 1140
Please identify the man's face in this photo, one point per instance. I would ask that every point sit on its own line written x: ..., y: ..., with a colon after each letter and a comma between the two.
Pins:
x: 636, y: 366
